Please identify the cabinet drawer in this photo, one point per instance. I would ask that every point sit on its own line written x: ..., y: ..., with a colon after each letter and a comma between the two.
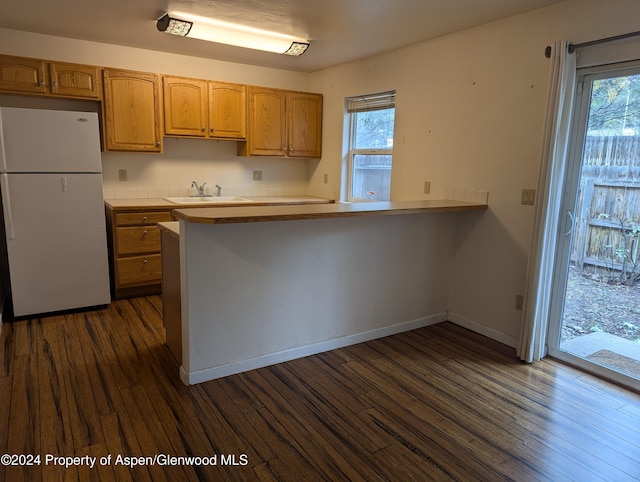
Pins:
x: 139, y: 269
x: 142, y: 219
x: 137, y: 240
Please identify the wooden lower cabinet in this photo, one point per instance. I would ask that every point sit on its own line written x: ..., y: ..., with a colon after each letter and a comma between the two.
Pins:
x: 171, y: 295
x: 134, y: 251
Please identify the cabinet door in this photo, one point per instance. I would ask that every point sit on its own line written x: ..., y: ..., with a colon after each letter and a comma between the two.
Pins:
x: 185, y: 106
x: 73, y: 80
x: 131, y: 107
x: 304, y: 124
x: 22, y: 75
x: 227, y: 111
x: 267, y: 122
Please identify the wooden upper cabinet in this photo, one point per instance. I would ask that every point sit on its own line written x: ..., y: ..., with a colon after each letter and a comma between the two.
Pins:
x: 304, y: 124
x: 132, y: 111
x: 199, y: 108
x: 33, y: 76
x: 22, y: 75
x: 267, y: 134
x: 73, y: 80
x: 227, y: 111
x: 283, y: 123
x: 185, y: 106
x: 138, y: 109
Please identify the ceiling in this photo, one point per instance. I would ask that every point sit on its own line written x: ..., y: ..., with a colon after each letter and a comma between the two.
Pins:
x: 339, y: 30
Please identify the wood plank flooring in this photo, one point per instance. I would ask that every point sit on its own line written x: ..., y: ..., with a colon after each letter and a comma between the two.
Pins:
x: 439, y: 403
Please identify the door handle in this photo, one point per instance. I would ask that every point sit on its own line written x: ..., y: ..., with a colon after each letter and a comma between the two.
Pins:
x: 573, y: 223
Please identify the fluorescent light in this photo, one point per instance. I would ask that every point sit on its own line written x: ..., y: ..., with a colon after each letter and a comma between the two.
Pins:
x: 187, y: 25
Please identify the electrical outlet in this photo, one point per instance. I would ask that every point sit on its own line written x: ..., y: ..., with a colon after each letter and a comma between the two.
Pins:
x: 122, y: 175
x: 427, y: 187
x: 528, y: 197
x: 257, y: 175
x: 326, y: 178
x: 519, y: 302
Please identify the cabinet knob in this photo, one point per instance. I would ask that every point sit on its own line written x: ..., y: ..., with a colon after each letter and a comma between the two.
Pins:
x: 54, y: 84
x: 202, y: 129
x: 145, y: 261
x: 145, y: 232
x: 144, y: 218
x: 41, y: 82
x: 212, y: 129
x: 158, y: 144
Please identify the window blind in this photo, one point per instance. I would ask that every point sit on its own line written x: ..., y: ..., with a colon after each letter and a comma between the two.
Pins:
x: 379, y: 101
x: 613, y: 52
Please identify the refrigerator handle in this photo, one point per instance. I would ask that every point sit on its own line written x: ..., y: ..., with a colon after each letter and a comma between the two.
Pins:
x: 6, y: 205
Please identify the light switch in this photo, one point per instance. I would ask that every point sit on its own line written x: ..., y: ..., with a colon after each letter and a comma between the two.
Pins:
x: 528, y: 197
x: 519, y: 302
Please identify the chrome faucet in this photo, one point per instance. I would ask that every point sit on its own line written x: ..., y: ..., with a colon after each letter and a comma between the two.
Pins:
x: 219, y: 188
x: 199, y: 189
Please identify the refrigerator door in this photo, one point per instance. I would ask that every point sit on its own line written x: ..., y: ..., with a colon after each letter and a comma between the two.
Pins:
x: 36, y: 140
x: 56, y: 241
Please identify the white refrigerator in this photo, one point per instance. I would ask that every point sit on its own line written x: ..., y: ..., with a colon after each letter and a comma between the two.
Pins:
x: 54, y: 218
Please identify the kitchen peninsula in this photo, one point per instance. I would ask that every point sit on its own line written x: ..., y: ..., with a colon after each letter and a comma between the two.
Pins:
x: 262, y: 285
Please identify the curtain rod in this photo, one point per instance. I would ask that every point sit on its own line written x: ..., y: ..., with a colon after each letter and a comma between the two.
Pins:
x: 573, y: 47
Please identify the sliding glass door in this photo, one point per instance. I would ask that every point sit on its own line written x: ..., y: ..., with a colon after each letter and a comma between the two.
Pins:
x: 595, y: 317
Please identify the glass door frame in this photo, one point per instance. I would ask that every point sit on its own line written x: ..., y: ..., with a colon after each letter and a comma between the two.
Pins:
x: 566, y: 224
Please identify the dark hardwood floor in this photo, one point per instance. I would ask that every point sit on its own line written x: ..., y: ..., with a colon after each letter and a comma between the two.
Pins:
x: 439, y: 403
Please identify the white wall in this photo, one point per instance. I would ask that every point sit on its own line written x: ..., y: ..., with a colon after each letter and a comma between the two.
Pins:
x: 470, y: 110
x: 183, y: 160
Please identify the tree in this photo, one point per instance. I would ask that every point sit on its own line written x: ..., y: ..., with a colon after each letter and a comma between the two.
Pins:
x: 374, y: 129
x: 615, y: 105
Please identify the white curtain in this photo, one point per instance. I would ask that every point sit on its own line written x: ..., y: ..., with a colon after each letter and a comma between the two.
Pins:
x: 547, y: 215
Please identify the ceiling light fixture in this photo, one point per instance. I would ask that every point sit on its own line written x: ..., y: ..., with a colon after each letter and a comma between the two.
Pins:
x: 187, y: 25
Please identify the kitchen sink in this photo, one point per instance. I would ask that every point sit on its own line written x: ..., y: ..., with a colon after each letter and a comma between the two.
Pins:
x: 208, y: 200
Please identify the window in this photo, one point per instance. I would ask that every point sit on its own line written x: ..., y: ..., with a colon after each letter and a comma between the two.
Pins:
x: 371, y: 121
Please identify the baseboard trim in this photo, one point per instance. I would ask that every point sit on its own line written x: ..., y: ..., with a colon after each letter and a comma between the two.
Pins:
x: 199, y: 376
x: 483, y: 330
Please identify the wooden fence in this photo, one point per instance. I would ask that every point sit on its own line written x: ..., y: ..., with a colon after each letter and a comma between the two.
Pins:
x: 607, y: 236
x: 372, y: 174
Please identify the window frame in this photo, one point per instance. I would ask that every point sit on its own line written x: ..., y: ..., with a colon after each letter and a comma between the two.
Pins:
x: 354, y: 106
